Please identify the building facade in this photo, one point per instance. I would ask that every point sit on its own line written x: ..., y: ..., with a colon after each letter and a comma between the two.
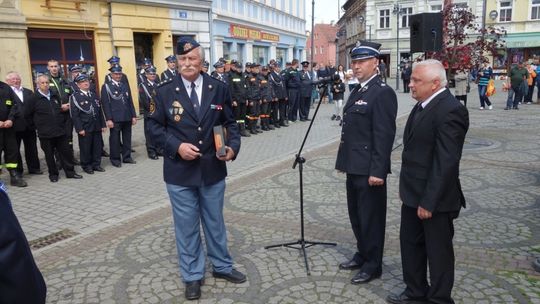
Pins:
x: 352, y: 27
x: 521, y: 20
x: 259, y: 30
x: 324, y: 43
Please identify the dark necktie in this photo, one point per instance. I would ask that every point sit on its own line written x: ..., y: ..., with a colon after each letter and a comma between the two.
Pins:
x: 419, y: 109
x: 194, y: 98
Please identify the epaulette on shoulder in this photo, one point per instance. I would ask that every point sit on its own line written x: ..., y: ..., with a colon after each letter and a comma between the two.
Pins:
x: 164, y: 82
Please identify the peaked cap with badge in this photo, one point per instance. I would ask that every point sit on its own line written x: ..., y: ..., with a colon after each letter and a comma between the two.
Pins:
x: 365, y: 50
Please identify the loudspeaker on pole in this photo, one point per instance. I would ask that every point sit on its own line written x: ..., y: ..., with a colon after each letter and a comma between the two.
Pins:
x: 426, y: 32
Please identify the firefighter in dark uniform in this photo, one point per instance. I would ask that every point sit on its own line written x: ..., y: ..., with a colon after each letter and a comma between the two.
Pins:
x: 115, y: 61
x: 61, y: 88
x: 171, y: 71
x: 74, y: 71
x: 306, y: 88
x: 266, y: 99
x: 205, y: 67
x: 141, y: 77
x: 147, y: 92
x: 88, y: 121
x: 279, y: 107
x: 238, y: 88
x: 247, y: 70
x: 120, y: 116
x: 219, y: 72
x: 8, y: 141
x: 44, y: 108
x: 369, y: 128
x: 253, y: 82
x: 292, y: 79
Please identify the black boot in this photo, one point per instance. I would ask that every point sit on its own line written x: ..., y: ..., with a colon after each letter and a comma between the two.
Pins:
x: 268, y: 124
x: 253, y: 127
x: 16, y: 179
x: 243, y: 131
x: 264, y: 126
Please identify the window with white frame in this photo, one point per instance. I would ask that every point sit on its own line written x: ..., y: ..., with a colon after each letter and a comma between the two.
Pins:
x: 535, y: 9
x: 241, y: 7
x: 505, y: 11
x: 406, y: 13
x: 384, y: 18
x: 224, y: 4
x: 436, y: 8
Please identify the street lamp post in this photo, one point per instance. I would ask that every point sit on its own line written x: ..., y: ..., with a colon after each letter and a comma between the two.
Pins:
x: 397, y: 11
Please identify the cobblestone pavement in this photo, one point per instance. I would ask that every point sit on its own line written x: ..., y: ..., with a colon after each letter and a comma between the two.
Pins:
x: 125, y: 251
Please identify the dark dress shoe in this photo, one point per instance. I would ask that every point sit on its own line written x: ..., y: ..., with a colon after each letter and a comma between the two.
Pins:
x: 234, y: 276
x: 76, y: 162
x: 153, y: 156
x: 53, y: 178
x: 104, y: 154
x: 363, y: 277
x: 402, y: 298
x: 129, y: 161
x: 116, y: 164
x: 350, y: 265
x: 193, y: 290
x: 35, y: 172
x: 75, y: 176
x: 89, y: 171
x: 99, y: 169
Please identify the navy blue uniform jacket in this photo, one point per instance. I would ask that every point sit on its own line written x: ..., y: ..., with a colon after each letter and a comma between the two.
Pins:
x: 20, y: 279
x: 369, y: 128
x: 173, y: 121
x: 432, y: 146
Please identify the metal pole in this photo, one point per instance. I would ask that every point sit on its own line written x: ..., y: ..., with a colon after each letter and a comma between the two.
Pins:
x: 312, y: 35
x: 397, y: 45
x: 369, y: 32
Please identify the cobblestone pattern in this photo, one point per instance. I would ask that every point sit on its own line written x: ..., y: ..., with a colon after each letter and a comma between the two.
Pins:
x: 134, y: 260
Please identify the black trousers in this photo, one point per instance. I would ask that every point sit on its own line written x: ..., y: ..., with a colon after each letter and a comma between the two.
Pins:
x: 59, y: 144
x: 305, y: 104
x: 240, y: 112
x: 406, y: 88
x: 282, y: 109
x: 120, y: 148
x: 463, y: 98
x: 274, y: 112
x: 367, y: 213
x: 29, y: 139
x: 150, y: 146
x: 8, y: 145
x: 294, y: 100
x: 91, y: 145
x: 426, y: 242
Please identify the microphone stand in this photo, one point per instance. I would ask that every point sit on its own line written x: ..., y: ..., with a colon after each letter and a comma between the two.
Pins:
x: 302, y: 243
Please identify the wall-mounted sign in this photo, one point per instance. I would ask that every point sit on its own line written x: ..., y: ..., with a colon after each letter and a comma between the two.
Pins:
x: 182, y: 14
x: 238, y: 31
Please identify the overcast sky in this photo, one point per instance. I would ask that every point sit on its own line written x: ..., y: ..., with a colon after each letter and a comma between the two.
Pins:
x: 325, y: 11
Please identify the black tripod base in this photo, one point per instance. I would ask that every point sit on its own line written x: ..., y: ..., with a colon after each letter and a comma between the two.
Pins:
x: 301, y: 245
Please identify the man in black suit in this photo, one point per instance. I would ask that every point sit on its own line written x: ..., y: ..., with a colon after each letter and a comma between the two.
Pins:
x: 369, y: 127
x: 24, y: 129
x: 429, y: 186
x: 20, y: 279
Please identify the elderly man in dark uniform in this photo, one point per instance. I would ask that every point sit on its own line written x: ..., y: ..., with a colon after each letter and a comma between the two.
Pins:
x: 44, y: 109
x: 171, y: 71
x: 88, y: 121
x: 120, y: 116
x: 369, y: 127
x: 306, y: 88
x: 25, y: 130
x: 182, y: 121
x: 429, y: 186
x: 20, y: 279
x: 147, y: 92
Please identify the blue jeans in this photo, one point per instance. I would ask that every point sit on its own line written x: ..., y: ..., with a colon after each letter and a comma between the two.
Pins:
x: 538, y: 85
x: 510, y: 99
x: 483, y: 98
x: 190, y: 205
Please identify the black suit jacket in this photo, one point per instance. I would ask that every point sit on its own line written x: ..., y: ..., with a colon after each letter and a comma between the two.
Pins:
x: 432, y: 145
x: 21, y: 124
x: 369, y: 128
x: 20, y: 279
x: 173, y: 121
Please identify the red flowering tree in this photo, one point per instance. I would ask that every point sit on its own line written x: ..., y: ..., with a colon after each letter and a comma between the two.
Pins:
x: 466, y: 43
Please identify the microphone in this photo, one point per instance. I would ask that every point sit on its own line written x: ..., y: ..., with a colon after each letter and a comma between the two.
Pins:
x: 328, y: 79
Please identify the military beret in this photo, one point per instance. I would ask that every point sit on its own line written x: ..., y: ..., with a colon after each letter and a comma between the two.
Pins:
x: 116, y: 69
x: 170, y: 58
x: 114, y: 59
x: 186, y: 45
x: 150, y: 70
x: 81, y: 77
x: 75, y: 68
x: 365, y: 50
x: 219, y: 64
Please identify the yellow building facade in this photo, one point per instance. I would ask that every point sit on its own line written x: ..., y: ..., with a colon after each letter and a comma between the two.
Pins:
x: 85, y: 33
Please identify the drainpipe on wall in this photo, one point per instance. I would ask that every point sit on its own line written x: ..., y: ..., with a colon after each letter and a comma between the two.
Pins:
x: 212, y: 45
x: 115, y: 53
